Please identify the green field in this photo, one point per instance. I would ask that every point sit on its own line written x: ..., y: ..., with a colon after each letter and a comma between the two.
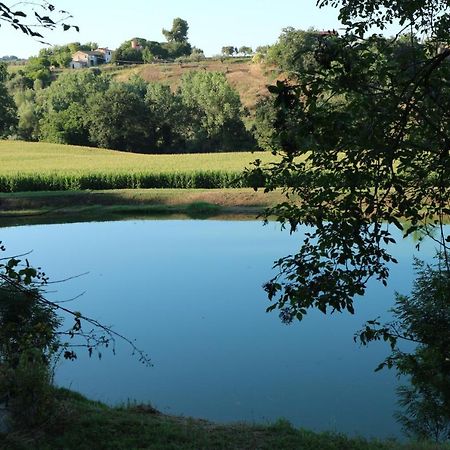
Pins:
x: 26, y: 166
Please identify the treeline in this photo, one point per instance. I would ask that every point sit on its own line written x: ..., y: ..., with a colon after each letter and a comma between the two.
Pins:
x: 88, y: 107
x: 204, y: 114
x: 300, y: 53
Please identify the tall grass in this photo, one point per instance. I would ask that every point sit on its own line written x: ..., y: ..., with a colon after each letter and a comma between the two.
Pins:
x: 26, y: 166
x: 73, y: 182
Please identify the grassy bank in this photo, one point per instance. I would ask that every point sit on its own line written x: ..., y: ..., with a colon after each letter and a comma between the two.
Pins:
x: 85, y: 425
x: 26, y: 166
x: 66, y: 206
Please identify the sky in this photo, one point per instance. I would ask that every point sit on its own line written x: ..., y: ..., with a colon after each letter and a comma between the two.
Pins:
x: 212, y: 24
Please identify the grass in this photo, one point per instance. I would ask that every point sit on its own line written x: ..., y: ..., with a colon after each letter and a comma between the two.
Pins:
x: 84, y: 425
x: 26, y: 166
x: 41, y: 157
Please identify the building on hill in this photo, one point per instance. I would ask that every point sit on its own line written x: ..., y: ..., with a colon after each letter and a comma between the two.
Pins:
x: 328, y: 33
x: 107, y: 54
x: 135, y: 45
x: 82, y: 58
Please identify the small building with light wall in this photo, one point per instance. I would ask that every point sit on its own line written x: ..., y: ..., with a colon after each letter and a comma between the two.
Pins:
x: 82, y: 58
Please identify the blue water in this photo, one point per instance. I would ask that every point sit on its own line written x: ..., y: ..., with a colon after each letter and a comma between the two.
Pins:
x: 190, y: 293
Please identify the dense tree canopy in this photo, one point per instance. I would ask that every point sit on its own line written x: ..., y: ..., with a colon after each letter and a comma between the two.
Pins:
x: 294, y: 51
x: 87, y: 108
x: 215, y: 110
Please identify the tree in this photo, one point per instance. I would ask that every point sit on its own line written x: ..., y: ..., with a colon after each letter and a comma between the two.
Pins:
x: 28, y: 123
x: 38, y: 68
x: 214, y: 112
x: 147, y: 55
x: 8, y: 110
x: 263, y: 127
x: 148, y: 50
x: 363, y: 141
x: 424, y: 319
x: 170, y: 117
x: 179, y: 31
x: 294, y: 52
x: 229, y: 50
x: 197, y: 54
x: 120, y: 119
x: 363, y: 136
x: 63, y: 106
x: 32, y: 339
x: 245, y: 50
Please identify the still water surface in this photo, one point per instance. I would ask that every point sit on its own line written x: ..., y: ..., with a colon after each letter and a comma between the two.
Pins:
x: 190, y: 293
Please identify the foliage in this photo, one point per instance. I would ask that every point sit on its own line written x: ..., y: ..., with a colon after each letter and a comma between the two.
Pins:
x: 177, y: 45
x: 424, y: 319
x: 215, y: 110
x: 196, y: 55
x: 357, y: 179
x: 32, y: 336
x: 120, y: 119
x: 8, y: 110
x: 370, y: 117
x: 294, y: 52
x: 229, y: 50
x: 177, y: 49
x: 168, y: 110
x: 245, y: 50
x: 264, y: 123
x: 38, y: 68
x: 62, y: 107
x: 35, y: 15
x: 179, y: 31
x: 61, y: 55
x: 27, y: 345
x: 86, y: 108
x: 422, y: 18
x: 149, y: 50
x: 28, y: 124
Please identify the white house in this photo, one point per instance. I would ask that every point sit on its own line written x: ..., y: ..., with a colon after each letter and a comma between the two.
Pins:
x: 107, y: 54
x: 82, y: 58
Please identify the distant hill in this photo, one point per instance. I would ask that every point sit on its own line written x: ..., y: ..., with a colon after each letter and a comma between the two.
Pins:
x: 248, y: 78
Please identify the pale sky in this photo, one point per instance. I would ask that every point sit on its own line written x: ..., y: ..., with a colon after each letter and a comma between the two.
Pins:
x: 212, y: 24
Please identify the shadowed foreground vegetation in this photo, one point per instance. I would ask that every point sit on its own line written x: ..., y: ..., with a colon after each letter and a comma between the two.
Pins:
x: 83, y: 424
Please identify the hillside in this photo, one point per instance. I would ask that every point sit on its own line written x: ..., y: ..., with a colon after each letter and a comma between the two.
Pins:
x: 248, y: 78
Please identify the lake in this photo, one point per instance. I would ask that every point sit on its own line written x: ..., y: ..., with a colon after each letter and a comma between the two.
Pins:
x: 190, y: 293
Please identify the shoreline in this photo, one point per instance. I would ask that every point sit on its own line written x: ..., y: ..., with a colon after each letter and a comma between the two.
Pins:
x: 118, y: 204
x: 142, y: 426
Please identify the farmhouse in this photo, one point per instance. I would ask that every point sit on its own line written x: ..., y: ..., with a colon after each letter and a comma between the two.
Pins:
x: 84, y: 58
